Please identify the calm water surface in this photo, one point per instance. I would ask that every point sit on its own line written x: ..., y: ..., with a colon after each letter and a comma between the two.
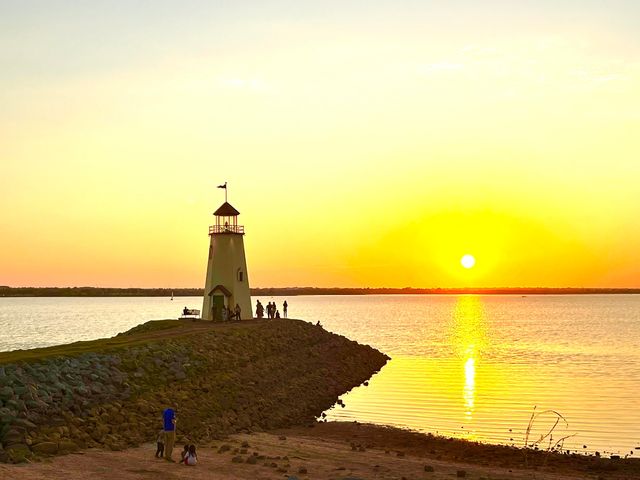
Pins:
x: 465, y: 366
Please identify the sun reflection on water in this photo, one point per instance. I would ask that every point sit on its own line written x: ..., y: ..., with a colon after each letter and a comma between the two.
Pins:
x: 469, y: 339
x: 469, y: 386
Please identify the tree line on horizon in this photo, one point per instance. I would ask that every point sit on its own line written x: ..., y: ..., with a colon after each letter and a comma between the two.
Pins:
x: 6, y: 291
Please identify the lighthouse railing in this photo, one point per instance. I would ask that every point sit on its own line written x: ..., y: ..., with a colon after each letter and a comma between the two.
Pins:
x: 226, y: 229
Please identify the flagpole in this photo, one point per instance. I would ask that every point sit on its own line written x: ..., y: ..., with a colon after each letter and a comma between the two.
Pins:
x: 225, y: 191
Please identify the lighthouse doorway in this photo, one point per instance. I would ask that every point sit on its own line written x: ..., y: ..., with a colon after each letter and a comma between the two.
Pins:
x: 220, y: 297
x: 218, y: 307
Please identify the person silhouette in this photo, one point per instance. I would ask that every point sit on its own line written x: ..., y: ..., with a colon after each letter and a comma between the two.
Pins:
x: 169, y: 424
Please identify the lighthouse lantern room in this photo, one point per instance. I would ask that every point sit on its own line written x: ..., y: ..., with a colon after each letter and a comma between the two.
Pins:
x: 227, y: 284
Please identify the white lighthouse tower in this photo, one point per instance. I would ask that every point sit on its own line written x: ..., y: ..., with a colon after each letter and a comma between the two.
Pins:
x: 227, y: 282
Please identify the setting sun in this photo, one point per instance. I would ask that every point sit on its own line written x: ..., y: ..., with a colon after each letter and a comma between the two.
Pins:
x: 468, y: 261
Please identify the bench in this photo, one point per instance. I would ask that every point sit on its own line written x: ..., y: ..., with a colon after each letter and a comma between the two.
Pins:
x: 190, y: 313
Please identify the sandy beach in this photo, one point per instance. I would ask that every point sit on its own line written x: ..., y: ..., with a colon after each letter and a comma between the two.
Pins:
x: 326, y: 451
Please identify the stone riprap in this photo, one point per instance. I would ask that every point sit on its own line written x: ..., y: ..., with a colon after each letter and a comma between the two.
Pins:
x: 221, y: 379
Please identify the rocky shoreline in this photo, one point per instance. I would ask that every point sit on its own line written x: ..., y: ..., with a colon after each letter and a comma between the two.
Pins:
x: 221, y: 379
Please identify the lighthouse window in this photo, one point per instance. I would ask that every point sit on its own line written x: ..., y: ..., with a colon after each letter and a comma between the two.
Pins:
x: 240, y: 276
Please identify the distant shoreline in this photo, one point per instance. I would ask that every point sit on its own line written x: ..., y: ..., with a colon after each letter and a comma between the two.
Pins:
x: 295, y: 291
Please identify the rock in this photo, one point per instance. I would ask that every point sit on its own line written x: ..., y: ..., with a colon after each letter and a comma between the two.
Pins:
x: 252, y: 460
x: 6, y: 393
x: 46, y: 448
x: 67, y: 446
x: 282, y: 437
x: 461, y: 473
x: 19, y: 390
x: 7, y: 414
x: 99, y: 432
x: 428, y: 468
x: 302, y: 470
x: 245, y: 444
x: 238, y: 459
x: 13, y: 436
x: 22, y: 422
x: 18, y: 453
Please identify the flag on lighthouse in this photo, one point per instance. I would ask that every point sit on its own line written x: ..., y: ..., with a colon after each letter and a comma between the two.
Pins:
x: 223, y: 186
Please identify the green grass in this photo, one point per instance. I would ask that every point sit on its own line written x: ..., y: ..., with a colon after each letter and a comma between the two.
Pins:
x: 152, y: 326
x: 135, y: 336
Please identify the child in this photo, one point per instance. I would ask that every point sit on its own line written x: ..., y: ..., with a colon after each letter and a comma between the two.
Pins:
x: 160, y: 443
x: 184, y: 453
x: 191, y: 458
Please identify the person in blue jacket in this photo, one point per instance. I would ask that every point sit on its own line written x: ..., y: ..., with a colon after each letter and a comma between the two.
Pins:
x: 169, y: 426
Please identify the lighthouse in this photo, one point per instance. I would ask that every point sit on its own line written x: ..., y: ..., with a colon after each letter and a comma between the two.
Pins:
x: 227, y: 282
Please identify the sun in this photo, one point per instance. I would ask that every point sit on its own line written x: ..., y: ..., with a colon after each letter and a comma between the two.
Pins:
x: 468, y: 261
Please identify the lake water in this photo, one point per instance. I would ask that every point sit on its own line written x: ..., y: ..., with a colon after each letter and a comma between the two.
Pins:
x: 465, y: 366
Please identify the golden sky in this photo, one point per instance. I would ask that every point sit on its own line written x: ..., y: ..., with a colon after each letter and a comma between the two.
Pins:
x: 365, y: 143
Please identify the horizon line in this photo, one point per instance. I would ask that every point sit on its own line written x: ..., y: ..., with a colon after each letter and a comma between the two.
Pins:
x: 8, y: 291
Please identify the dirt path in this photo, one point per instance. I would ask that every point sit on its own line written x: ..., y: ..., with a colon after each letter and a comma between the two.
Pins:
x: 189, y: 327
x: 276, y: 457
